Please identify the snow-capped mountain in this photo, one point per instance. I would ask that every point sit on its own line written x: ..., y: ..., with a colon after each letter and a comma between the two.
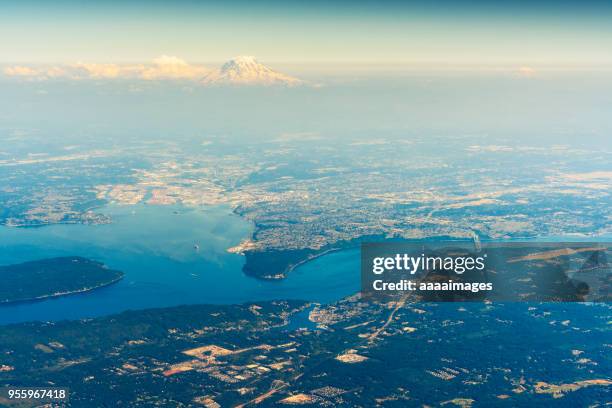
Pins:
x: 246, y: 70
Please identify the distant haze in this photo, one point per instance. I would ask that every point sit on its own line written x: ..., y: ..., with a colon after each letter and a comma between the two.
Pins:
x: 543, y: 109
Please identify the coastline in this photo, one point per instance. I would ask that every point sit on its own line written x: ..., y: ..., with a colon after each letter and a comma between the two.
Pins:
x: 62, y: 294
x: 292, y: 267
x: 277, y: 264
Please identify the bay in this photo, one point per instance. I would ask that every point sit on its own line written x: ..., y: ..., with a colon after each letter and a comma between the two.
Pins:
x: 171, y: 255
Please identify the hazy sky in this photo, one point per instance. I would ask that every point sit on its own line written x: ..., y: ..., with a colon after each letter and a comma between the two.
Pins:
x: 526, y: 33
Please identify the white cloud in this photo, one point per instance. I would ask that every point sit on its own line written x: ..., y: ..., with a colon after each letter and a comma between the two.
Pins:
x: 84, y: 70
x: 167, y: 67
x: 34, y: 72
x: 525, y: 71
x: 162, y: 68
x: 20, y: 70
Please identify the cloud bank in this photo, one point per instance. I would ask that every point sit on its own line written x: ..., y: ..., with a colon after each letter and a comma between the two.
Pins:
x: 161, y: 68
x: 526, y: 71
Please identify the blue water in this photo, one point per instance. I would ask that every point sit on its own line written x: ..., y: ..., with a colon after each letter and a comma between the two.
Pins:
x: 155, y: 247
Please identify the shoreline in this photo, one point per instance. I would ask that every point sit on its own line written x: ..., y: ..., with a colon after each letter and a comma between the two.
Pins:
x: 61, y: 294
x: 292, y: 267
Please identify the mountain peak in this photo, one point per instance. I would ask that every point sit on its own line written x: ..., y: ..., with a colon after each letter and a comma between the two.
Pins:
x: 246, y: 70
x: 244, y: 59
